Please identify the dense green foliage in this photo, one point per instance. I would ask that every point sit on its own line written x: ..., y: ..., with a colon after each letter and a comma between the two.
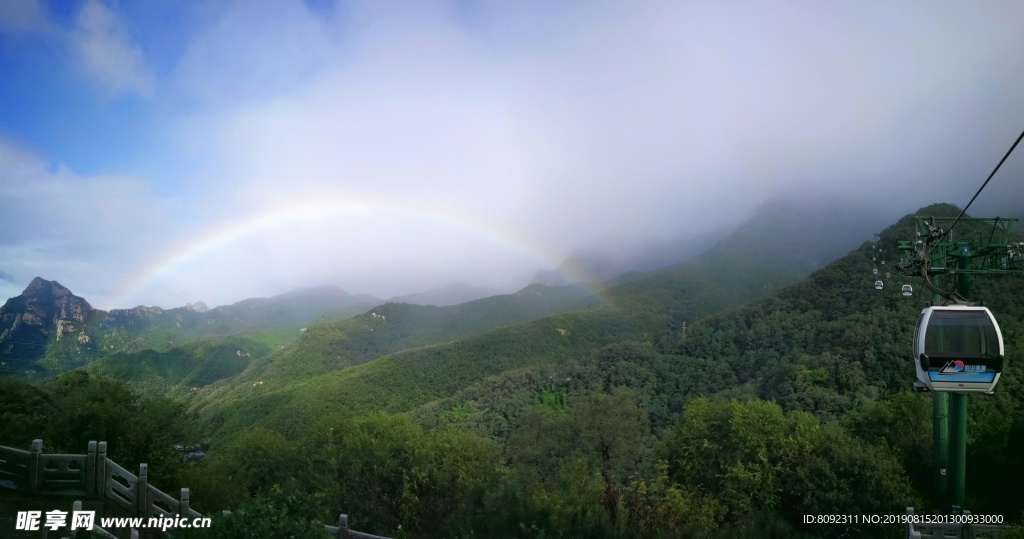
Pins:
x: 393, y: 327
x: 190, y: 366
x: 156, y: 329
x: 74, y: 408
x: 406, y: 379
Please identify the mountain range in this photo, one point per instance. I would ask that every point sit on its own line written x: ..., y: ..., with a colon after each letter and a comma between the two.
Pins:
x: 735, y: 391
x: 49, y: 329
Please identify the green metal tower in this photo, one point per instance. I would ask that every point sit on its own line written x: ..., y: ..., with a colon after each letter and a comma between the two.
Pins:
x: 982, y: 247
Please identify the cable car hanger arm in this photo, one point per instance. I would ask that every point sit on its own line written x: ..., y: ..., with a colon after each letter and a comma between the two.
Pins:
x: 948, y: 295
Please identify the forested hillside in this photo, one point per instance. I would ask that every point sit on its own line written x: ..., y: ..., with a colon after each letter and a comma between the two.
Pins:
x: 652, y: 308
x: 424, y: 422
x: 194, y: 365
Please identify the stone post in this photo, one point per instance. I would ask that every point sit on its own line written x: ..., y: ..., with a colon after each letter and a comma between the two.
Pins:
x: 342, y: 526
x: 90, y: 468
x: 101, y: 469
x: 142, y: 491
x: 183, y: 507
x: 35, y: 465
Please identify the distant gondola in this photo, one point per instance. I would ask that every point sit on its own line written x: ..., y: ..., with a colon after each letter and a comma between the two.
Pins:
x: 958, y: 348
x: 879, y: 285
x: 908, y: 290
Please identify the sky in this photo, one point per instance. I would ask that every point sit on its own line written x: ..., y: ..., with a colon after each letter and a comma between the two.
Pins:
x: 165, y: 152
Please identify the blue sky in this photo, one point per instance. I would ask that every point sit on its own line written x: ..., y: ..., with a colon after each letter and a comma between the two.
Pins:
x: 465, y: 141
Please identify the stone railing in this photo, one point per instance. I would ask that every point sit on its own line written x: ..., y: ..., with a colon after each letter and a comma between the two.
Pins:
x: 95, y: 475
x: 89, y: 475
x: 341, y: 531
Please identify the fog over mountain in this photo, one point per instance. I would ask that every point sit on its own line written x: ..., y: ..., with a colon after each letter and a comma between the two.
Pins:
x: 157, y: 153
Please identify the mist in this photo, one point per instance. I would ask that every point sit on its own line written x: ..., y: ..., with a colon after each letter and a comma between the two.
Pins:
x: 392, y: 148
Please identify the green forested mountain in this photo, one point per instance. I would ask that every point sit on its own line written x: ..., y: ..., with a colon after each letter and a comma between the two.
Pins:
x: 404, y: 379
x: 157, y: 329
x: 786, y: 239
x: 782, y: 240
x: 194, y: 365
x: 605, y: 420
x: 47, y: 329
x: 46, y: 320
x: 795, y: 404
x: 649, y: 308
x: 388, y: 329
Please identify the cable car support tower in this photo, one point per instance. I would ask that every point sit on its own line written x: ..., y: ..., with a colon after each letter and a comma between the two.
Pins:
x: 946, y: 261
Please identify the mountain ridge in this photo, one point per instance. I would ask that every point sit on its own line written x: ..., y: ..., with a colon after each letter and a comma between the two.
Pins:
x: 450, y: 294
x: 36, y: 324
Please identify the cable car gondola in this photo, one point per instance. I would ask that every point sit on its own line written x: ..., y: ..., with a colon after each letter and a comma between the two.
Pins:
x: 958, y: 348
x: 907, y: 290
x: 879, y: 285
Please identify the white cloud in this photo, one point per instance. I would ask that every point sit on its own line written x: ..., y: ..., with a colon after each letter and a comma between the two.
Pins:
x: 584, y: 125
x: 551, y: 127
x: 593, y: 123
x: 86, y: 232
x: 106, y: 52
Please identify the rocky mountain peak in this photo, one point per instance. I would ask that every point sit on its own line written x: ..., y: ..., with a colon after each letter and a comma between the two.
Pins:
x: 45, y: 308
x: 42, y: 287
x: 198, y: 307
x: 50, y: 300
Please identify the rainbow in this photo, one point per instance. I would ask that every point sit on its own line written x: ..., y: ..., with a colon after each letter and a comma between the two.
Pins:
x: 229, y: 232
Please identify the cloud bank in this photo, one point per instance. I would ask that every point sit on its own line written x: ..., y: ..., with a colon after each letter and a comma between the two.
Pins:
x: 483, y: 141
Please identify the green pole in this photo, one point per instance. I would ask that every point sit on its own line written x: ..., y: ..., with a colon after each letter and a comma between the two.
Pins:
x: 940, y: 448
x: 958, y: 447
x: 958, y: 414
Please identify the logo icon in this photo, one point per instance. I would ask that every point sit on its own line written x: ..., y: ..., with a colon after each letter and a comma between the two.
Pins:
x: 952, y: 367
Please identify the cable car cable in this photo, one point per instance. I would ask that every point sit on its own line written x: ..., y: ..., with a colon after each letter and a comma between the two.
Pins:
x: 1015, y: 143
x: 953, y: 295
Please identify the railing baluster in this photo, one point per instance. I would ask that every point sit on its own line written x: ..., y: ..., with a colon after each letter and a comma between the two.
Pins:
x: 142, y: 491
x: 101, y: 470
x: 35, y: 465
x: 90, y: 468
x: 342, y: 526
x: 183, y: 504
